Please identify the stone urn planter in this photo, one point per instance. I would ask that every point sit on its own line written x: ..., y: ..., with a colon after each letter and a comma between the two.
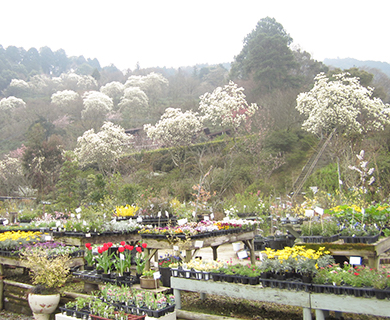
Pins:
x: 43, y: 305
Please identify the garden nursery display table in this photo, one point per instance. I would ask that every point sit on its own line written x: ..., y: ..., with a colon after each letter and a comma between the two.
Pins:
x: 192, y: 245
x: 321, y: 303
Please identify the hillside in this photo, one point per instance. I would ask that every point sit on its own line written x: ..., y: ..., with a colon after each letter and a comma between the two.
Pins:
x: 351, y: 62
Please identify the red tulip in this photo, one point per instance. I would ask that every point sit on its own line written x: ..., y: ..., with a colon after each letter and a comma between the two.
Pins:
x: 100, y: 250
x: 121, y: 249
x: 109, y: 244
x: 123, y: 243
x: 105, y: 246
x: 90, y: 248
x: 131, y: 248
x: 139, y: 249
x: 88, y: 245
x: 144, y: 245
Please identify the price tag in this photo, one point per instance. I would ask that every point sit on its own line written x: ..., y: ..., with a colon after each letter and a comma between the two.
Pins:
x: 175, y: 248
x: 88, y: 235
x: 139, y: 219
x: 156, y: 275
x: 78, y: 210
x: 84, y: 223
x: 193, y: 214
x: 180, y: 222
x: 206, y: 218
x: 212, y: 216
x: 121, y: 256
x: 363, y: 211
x: 242, y: 254
x: 319, y: 210
x: 167, y: 214
x: 58, y: 224
x: 5, y: 222
x: 198, y: 244
x: 47, y: 238
x: 159, y: 214
x: 309, y: 213
x: 78, y: 216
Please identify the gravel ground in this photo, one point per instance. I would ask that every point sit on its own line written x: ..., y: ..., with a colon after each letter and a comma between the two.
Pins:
x: 5, y: 315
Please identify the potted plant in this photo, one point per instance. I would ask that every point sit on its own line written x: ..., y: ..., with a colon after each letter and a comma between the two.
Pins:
x: 120, y: 261
x: 88, y: 257
x: 147, y: 280
x: 48, y: 275
x: 104, y: 259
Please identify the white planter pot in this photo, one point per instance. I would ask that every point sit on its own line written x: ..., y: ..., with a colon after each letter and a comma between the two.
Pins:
x: 43, y: 305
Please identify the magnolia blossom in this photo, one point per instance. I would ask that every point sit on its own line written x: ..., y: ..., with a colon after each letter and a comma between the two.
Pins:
x: 134, y: 98
x: 11, y: 103
x: 96, y: 104
x: 175, y: 128
x: 19, y: 84
x: 103, y: 147
x: 64, y: 98
x: 113, y: 89
x: 343, y: 103
x: 152, y: 84
x: 226, y: 106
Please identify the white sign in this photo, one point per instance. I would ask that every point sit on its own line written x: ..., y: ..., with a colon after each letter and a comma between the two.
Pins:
x: 319, y: 210
x: 139, y: 219
x: 159, y: 214
x: 175, y: 248
x: 78, y: 210
x: 309, y: 213
x: 357, y: 261
x: 180, y: 222
x: 212, y: 216
x: 156, y: 275
x: 88, y: 235
x: 198, y: 244
x: 206, y: 218
x: 47, y: 238
x: 121, y: 256
x: 79, y: 216
x: 242, y: 254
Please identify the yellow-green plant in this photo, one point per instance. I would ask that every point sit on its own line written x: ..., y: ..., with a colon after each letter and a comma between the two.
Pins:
x: 50, y: 273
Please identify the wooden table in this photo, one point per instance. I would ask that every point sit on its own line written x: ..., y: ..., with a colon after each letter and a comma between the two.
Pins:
x: 191, y: 247
x: 98, y: 239
x: 321, y: 303
x: 371, y: 252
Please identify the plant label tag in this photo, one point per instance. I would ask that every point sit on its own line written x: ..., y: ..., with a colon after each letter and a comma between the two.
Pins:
x: 175, y: 248
x: 206, y: 218
x: 180, y: 222
x: 357, y: 261
x: 58, y: 224
x: 363, y: 211
x: 139, y: 219
x: 167, y: 214
x: 78, y: 210
x: 47, y: 238
x: 212, y: 216
x: 159, y: 214
x: 198, y: 244
x: 79, y: 216
x: 193, y: 214
x: 156, y: 275
x: 309, y: 213
x: 88, y: 235
x: 121, y: 256
x: 319, y: 210
x: 72, y: 215
x: 242, y: 254
x: 84, y: 223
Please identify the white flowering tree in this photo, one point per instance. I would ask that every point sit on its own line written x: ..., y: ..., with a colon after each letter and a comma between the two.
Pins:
x: 11, y: 103
x: 152, y: 84
x: 96, y: 106
x: 12, y: 178
x: 227, y: 107
x: 18, y: 87
x: 343, y: 105
x: 114, y: 90
x: 103, y: 147
x: 64, y: 99
x: 175, y: 129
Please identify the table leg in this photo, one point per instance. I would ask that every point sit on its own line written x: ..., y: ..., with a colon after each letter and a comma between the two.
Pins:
x: 215, y: 254
x: 176, y: 293
x: 307, y: 314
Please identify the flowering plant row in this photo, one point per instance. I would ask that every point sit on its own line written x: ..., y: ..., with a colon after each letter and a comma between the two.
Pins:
x: 202, y: 227
x: 12, y: 240
x: 121, y: 258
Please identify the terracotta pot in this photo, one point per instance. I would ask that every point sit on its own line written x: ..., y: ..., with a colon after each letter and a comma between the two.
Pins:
x: 149, y: 283
x: 43, y: 305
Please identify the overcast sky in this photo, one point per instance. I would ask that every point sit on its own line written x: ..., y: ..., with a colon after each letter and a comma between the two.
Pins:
x: 174, y: 33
